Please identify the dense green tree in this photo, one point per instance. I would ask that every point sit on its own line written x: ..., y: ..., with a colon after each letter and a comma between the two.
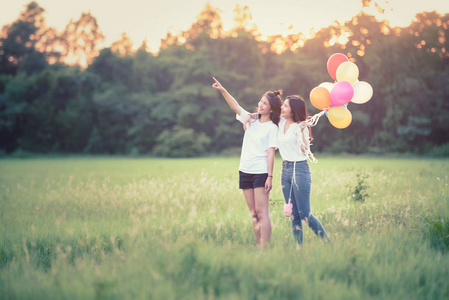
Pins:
x: 181, y: 142
x: 18, y: 42
x: 113, y: 69
x: 114, y: 113
x: 119, y: 100
x: 49, y: 111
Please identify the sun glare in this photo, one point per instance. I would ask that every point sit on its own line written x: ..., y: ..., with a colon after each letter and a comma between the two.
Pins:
x: 278, y: 46
x: 278, y: 21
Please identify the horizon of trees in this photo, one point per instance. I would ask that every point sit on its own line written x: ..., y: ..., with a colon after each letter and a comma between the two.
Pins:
x: 59, y: 92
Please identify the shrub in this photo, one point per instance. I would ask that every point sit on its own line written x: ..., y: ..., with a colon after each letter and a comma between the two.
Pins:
x: 359, y: 193
x: 436, y: 221
x: 440, y: 151
x: 20, y: 153
x: 231, y: 151
x: 181, y: 142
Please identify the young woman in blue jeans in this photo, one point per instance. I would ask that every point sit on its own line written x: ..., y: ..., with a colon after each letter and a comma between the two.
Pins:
x: 294, y: 143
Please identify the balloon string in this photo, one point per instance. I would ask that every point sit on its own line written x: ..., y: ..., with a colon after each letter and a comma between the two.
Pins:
x: 312, y: 121
x: 307, y: 152
x: 310, y: 156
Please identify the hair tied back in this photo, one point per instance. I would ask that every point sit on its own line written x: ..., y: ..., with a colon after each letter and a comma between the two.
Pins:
x: 277, y: 93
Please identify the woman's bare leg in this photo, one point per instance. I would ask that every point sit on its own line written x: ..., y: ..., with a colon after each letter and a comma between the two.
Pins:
x: 250, y: 200
x: 262, y: 212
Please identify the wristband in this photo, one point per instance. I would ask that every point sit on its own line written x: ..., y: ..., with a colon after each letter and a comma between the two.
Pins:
x: 270, y: 176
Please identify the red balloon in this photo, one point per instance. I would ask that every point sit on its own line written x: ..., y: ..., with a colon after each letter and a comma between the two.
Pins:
x: 333, y: 62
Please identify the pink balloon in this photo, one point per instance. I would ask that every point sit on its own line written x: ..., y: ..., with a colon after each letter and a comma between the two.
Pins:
x: 342, y: 93
x: 334, y: 62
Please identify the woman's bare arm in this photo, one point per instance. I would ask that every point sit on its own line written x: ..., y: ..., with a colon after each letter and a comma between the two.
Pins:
x: 233, y: 104
x: 269, y: 181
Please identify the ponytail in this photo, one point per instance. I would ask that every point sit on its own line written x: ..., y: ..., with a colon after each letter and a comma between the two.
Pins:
x: 275, y: 103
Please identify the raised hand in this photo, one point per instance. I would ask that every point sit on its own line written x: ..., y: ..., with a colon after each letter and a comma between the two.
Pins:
x: 233, y: 104
x: 217, y: 85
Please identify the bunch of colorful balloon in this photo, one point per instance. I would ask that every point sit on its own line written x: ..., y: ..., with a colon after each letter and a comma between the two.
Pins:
x: 333, y: 98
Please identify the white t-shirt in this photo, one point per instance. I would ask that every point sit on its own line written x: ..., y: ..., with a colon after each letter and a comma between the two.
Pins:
x: 256, y: 141
x: 290, y: 141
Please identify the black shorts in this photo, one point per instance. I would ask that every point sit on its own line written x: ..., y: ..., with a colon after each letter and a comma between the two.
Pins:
x: 252, y: 181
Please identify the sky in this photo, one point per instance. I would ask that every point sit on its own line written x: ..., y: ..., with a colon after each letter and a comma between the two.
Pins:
x: 152, y: 19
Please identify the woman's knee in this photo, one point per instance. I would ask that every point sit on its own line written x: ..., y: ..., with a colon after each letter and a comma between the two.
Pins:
x: 254, y: 215
x: 261, y: 213
x: 305, y: 216
x: 295, y: 218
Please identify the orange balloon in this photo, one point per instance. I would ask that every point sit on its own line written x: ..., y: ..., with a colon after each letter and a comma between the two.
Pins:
x: 320, y: 97
x: 339, y: 117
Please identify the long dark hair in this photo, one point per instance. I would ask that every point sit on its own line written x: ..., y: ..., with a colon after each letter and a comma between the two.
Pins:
x: 299, y: 110
x: 275, y: 104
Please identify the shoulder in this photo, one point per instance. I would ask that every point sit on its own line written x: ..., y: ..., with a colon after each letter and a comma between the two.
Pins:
x: 243, y: 112
x: 273, y: 127
x: 242, y: 116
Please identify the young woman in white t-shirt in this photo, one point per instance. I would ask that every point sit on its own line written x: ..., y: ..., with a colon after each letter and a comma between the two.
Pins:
x: 257, y: 158
x: 294, y: 143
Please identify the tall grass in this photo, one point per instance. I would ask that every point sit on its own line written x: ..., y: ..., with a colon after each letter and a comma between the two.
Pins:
x: 436, y: 222
x: 112, y: 228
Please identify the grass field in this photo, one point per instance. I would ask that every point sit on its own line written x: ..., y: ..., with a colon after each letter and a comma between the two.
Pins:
x: 143, y: 228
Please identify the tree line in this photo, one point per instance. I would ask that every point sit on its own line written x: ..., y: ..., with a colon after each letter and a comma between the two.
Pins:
x: 61, y: 93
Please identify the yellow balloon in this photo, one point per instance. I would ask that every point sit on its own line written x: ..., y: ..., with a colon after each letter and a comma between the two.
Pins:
x: 348, y: 71
x: 339, y: 117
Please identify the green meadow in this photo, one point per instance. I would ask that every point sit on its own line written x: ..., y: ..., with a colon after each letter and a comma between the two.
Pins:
x: 147, y: 228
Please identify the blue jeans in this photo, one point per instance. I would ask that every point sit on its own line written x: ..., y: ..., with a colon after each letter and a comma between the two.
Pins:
x: 300, y: 197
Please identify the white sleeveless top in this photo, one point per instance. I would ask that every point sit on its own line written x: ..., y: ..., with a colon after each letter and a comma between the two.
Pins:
x: 290, y: 141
